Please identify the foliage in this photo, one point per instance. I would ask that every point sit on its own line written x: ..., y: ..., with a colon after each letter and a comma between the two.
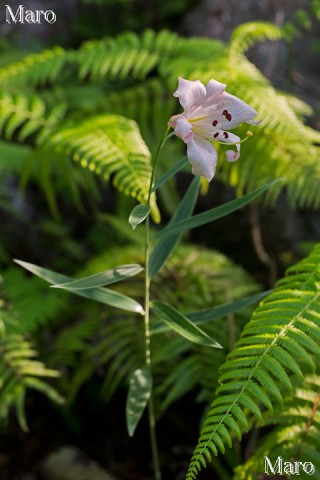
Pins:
x: 65, y: 114
x: 275, y: 350
x: 50, y: 98
x: 20, y: 370
x: 294, y: 434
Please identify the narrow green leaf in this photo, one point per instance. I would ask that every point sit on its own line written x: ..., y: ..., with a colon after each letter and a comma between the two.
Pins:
x: 182, y: 325
x: 20, y: 407
x: 47, y: 275
x: 211, y: 314
x: 102, y: 295
x: 45, y: 388
x: 207, y: 315
x: 214, y: 213
x: 165, y: 246
x: 109, y: 297
x: 170, y: 173
x: 107, y: 277
x: 138, y: 396
x: 138, y: 215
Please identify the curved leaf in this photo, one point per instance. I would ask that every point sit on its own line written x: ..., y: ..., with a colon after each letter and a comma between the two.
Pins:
x: 170, y: 173
x: 138, y: 396
x: 138, y: 215
x: 214, y: 213
x: 165, y: 246
x: 102, y: 295
x: 107, y: 277
x: 182, y: 325
x: 215, y: 313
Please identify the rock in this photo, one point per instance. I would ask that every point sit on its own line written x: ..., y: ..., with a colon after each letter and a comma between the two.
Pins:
x: 69, y: 463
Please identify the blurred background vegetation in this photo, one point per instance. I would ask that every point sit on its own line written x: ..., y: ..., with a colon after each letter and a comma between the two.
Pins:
x: 65, y: 208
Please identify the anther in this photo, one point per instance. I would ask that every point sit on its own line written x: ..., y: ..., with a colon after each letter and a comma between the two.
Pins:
x: 228, y: 117
x: 225, y: 135
x: 225, y: 113
x: 216, y: 135
x: 215, y: 123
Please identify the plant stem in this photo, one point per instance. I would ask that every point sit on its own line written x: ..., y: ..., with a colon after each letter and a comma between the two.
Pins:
x: 152, y: 422
x: 151, y: 412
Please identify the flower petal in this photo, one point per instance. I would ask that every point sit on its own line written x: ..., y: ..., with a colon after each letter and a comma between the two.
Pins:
x: 231, y: 155
x: 214, y: 88
x: 183, y: 129
x: 208, y: 108
x: 238, y: 110
x: 190, y: 93
x: 203, y: 158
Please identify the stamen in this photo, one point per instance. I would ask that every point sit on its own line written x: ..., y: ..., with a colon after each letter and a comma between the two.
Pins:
x: 248, y: 135
x: 225, y: 114
x: 225, y: 135
x: 216, y: 135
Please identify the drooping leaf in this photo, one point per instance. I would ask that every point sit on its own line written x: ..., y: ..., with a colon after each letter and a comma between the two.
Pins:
x: 102, y: 295
x: 170, y: 173
x: 138, y: 396
x: 214, y: 213
x: 165, y: 246
x: 138, y: 215
x: 215, y: 313
x: 107, y: 277
x: 182, y: 325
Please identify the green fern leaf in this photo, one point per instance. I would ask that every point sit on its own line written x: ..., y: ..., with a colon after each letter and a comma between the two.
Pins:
x: 19, y: 370
x: 296, y: 296
x: 23, y: 116
x: 36, y: 69
x: 288, y: 435
x: 109, y: 145
x: 248, y: 34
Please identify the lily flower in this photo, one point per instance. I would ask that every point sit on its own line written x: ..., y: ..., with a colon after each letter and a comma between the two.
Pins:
x: 209, y: 113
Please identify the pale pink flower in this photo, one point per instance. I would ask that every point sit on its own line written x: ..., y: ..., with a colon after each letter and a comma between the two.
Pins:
x: 209, y: 113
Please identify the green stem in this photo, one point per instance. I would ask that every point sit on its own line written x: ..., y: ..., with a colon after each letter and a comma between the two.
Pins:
x: 151, y: 411
x: 154, y: 164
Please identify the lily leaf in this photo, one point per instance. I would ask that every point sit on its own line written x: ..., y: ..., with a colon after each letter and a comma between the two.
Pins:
x: 138, y: 215
x: 102, y: 295
x: 214, y: 313
x: 166, y: 245
x: 107, y: 277
x: 182, y: 325
x: 138, y: 396
x: 214, y: 213
x: 170, y: 173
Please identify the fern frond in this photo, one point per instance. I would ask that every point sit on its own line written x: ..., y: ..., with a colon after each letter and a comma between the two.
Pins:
x: 292, y: 437
x: 109, y: 145
x: 248, y: 34
x: 19, y: 371
x: 129, y: 55
x: 119, y: 352
x: 36, y: 70
x: 84, y: 79
x: 23, y: 116
x: 287, y: 321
